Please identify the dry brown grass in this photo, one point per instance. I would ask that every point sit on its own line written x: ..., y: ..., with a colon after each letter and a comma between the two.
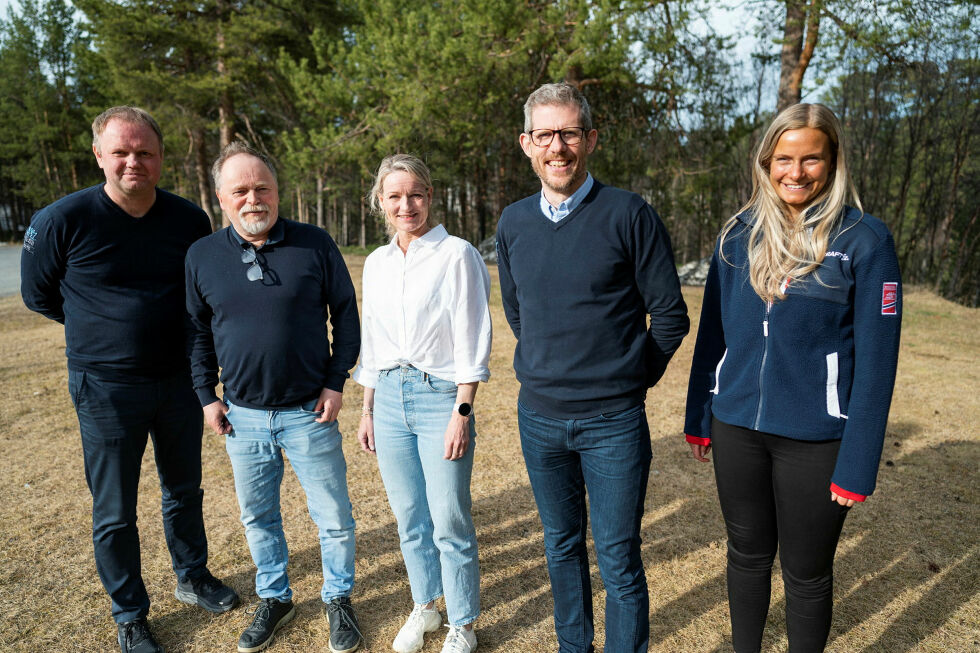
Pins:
x: 908, y: 577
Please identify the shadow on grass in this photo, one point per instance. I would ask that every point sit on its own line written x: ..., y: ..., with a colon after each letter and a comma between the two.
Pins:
x: 932, y: 543
x: 511, y: 552
x: 917, y: 534
x: 190, y: 619
x: 916, y: 560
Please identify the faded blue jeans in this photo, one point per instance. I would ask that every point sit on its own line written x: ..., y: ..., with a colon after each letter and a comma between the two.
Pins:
x: 255, y: 446
x: 429, y: 495
x: 607, y: 457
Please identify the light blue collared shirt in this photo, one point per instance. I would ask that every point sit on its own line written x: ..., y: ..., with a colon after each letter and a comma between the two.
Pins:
x: 569, y: 205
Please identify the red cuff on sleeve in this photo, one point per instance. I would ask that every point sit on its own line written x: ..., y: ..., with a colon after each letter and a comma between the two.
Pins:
x: 693, y: 439
x: 841, y: 492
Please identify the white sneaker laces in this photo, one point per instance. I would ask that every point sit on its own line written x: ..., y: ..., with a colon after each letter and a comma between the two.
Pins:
x: 416, y: 620
x: 456, y: 641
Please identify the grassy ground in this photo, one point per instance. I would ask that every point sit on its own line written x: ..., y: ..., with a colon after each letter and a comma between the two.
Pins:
x: 908, y: 567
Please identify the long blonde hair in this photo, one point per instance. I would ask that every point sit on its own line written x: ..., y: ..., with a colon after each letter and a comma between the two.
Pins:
x: 783, y: 248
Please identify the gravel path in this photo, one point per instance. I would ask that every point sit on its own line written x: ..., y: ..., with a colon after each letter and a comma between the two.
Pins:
x: 9, y: 269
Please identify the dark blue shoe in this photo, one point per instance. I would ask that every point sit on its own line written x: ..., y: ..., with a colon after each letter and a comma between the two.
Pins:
x: 344, y: 633
x: 207, y: 592
x: 270, y: 616
x: 135, y: 637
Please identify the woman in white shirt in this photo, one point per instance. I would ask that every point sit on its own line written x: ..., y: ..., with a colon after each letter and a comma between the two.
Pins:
x: 425, y: 344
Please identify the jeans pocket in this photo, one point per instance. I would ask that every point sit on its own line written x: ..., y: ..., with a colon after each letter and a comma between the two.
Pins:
x: 628, y: 413
x: 436, y: 384
x: 76, y: 383
x: 522, y: 408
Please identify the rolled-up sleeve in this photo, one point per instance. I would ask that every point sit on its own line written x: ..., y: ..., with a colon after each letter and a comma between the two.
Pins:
x: 366, y: 372
x: 472, y: 330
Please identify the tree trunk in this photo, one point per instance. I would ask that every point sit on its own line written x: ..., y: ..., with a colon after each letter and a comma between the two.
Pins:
x: 226, y: 106
x: 362, y: 236
x: 203, y: 178
x: 345, y: 225
x: 802, y: 16
x: 319, y: 202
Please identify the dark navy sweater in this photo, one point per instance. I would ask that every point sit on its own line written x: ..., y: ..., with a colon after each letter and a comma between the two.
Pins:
x: 577, y: 294
x: 818, y: 365
x: 116, y: 282
x: 270, y: 336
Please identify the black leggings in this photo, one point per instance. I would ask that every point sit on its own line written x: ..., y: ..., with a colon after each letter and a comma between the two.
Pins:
x: 775, y: 491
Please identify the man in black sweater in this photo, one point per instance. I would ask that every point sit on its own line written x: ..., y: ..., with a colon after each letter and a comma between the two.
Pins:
x: 582, y: 266
x: 107, y: 262
x: 259, y: 294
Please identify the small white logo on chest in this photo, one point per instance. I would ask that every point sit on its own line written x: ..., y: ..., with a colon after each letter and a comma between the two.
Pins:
x: 841, y: 255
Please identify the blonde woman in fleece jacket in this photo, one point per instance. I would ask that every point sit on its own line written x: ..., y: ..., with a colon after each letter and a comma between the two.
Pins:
x: 793, y: 372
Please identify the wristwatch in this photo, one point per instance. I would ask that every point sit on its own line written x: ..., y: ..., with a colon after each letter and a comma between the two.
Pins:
x: 463, y: 409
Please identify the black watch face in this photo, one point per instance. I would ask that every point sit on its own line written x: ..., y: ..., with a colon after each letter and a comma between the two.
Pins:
x: 465, y: 409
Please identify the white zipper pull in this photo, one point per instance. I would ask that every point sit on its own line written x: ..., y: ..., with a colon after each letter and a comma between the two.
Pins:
x: 765, y: 322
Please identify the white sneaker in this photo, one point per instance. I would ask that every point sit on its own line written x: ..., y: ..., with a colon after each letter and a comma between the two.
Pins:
x: 459, y: 640
x: 421, y: 621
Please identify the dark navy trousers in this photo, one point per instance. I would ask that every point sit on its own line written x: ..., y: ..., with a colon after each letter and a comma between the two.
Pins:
x: 775, y: 495
x: 115, y: 418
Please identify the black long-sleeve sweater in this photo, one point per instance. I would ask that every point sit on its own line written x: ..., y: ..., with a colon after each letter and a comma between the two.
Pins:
x: 116, y: 282
x: 577, y: 294
x: 270, y: 335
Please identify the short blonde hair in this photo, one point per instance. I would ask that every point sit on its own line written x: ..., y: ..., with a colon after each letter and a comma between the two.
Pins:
x: 126, y: 114
x: 398, y: 163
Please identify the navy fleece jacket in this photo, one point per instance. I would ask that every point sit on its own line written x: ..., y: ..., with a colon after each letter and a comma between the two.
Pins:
x: 818, y: 365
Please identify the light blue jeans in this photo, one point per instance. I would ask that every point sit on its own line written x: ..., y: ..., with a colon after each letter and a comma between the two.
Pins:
x: 429, y: 495
x: 255, y: 445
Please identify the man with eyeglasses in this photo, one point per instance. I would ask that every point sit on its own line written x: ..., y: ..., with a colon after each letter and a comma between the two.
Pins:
x: 108, y: 263
x: 259, y: 295
x: 582, y: 266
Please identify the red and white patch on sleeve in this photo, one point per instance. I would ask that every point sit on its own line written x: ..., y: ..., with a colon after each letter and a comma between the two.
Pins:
x: 889, y: 298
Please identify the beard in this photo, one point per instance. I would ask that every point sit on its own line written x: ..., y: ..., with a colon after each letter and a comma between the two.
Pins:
x: 255, y: 226
x: 563, y: 185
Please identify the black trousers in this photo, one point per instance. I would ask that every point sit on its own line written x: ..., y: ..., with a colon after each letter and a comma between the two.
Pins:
x: 775, y: 494
x: 115, y: 419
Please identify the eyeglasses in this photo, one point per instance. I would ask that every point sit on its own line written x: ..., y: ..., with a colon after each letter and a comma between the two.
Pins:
x: 568, y: 136
x: 254, y: 272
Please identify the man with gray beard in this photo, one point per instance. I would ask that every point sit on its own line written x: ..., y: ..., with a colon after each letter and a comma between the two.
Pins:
x: 259, y: 294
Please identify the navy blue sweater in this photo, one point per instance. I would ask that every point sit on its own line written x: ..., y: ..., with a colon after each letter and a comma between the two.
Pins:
x: 818, y: 365
x: 116, y: 282
x: 270, y: 336
x: 577, y: 294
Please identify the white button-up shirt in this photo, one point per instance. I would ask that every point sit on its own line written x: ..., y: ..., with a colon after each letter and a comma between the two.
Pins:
x: 427, y: 308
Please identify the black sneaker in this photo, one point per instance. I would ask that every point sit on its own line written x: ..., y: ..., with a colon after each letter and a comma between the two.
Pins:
x: 344, y: 633
x: 270, y: 616
x: 207, y: 592
x: 135, y: 637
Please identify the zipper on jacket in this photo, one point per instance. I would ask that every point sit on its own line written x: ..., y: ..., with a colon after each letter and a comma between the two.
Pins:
x: 762, y: 366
